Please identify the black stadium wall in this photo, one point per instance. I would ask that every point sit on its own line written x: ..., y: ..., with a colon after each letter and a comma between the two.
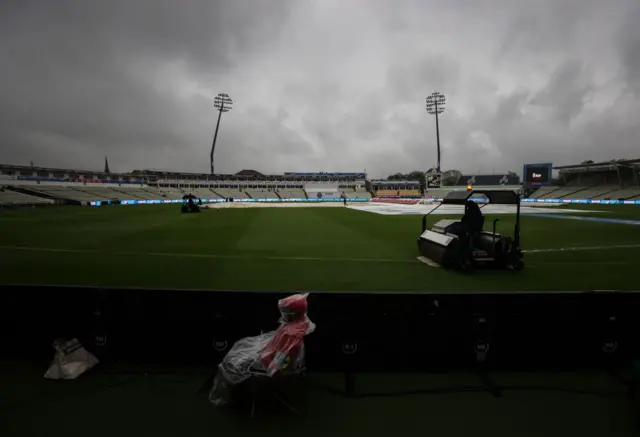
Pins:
x: 355, y: 331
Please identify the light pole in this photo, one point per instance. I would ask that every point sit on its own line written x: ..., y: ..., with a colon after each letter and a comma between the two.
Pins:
x: 435, y: 106
x: 223, y: 103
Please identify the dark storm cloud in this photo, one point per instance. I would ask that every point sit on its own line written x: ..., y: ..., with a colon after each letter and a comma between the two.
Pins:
x: 629, y: 40
x: 319, y: 85
x: 566, y: 91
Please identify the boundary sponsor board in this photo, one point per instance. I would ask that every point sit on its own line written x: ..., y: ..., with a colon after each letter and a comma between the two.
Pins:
x: 565, y: 201
x: 155, y: 202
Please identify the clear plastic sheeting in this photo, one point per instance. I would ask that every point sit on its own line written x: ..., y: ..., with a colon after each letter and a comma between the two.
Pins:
x: 70, y: 361
x: 276, y: 352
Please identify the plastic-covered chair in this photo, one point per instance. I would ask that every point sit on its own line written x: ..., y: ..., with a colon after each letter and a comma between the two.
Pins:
x: 266, y: 364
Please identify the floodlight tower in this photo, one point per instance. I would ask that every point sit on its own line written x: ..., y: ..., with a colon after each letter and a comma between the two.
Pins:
x: 436, y: 106
x: 223, y: 103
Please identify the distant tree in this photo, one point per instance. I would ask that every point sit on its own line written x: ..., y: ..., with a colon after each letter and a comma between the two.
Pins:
x: 586, y: 162
x: 396, y: 177
x: 451, y: 177
x: 416, y: 175
x: 419, y: 176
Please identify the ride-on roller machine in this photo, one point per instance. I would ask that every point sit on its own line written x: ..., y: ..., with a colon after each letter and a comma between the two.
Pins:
x: 464, y: 244
x: 190, y: 203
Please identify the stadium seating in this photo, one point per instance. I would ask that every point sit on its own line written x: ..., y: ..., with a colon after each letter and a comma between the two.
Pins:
x: 438, y: 192
x: 594, y: 192
x: 601, y: 192
x: 563, y: 192
x: 135, y: 193
x: 409, y: 193
x: 622, y: 193
x: 358, y: 193
x: 398, y: 193
x: 170, y: 193
x: 380, y: 193
x: 83, y: 193
x: 292, y: 193
x: 543, y: 191
x: 257, y: 193
x: 202, y: 193
x: 322, y: 186
x: 65, y: 193
x: 230, y: 193
x: 9, y: 197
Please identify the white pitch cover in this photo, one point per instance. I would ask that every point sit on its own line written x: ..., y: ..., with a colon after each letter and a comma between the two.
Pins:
x: 441, y: 239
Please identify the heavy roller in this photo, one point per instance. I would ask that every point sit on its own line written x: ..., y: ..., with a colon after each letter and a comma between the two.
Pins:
x: 464, y: 244
x: 190, y: 203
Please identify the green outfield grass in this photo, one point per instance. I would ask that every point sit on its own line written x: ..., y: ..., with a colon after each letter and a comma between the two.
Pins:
x: 333, y: 249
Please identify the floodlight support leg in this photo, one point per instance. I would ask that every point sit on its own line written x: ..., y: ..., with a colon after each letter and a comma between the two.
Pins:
x: 438, y: 136
x: 215, y: 137
x: 516, y: 236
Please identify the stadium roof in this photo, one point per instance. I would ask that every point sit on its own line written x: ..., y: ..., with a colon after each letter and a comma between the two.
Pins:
x: 250, y: 173
x: 51, y: 169
x: 613, y: 162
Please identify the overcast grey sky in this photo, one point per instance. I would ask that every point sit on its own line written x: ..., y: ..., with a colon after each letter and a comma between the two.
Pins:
x: 324, y: 85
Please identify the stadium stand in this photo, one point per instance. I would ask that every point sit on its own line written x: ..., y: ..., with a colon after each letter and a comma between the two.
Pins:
x: 352, y: 195
x: 256, y: 193
x: 409, y: 193
x: 103, y: 193
x: 202, y: 193
x: 387, y: 188
x: 82, y: 186
x: 357, y: 193
x: 230, y: 193
x: 362, y: 193
x: 135, y: 193
x: 168, y: 193
x: 292, y: 194
x: 65, y: 193
x: 593, y: 192
x: 562, y: 192
x: 609, y: 180
x: 10, y: 197
x: 622, y: 193
x: 543, y: 191
x: 387, y: 193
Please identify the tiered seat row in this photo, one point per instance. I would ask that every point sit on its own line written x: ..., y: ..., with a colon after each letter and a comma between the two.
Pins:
x: 292, y: 193
x: 8, y: 197
x: 593, y: 192
x: 257, y: 193
x: 623, y: 193
x: 562, y: 193
x: 543, y: 191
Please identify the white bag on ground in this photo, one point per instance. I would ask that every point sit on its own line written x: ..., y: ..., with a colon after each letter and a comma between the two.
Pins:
x: 70, y: 361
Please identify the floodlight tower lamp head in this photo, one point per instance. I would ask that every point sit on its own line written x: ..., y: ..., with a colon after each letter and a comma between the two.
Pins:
x: 223, y: 102
x: 435, y: 103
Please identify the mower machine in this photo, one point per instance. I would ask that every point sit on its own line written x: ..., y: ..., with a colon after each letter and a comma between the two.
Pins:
x: 190, y: 204
x: 463, y: 244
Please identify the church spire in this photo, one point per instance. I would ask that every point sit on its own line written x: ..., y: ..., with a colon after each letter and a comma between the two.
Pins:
x: 106, y: 165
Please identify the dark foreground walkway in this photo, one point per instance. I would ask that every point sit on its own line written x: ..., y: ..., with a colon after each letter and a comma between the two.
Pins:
x: 117, y: 402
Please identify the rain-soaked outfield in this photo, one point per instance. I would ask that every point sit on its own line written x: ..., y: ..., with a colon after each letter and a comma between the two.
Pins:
x: 315, y: 248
